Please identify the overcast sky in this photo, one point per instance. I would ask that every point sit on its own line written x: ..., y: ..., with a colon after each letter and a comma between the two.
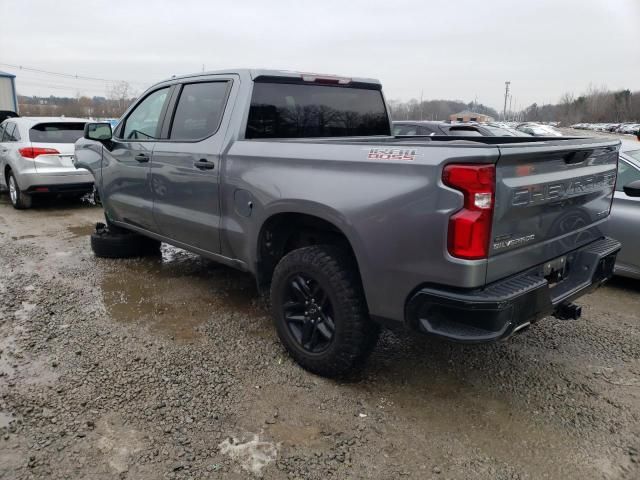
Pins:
x: 459, y: 49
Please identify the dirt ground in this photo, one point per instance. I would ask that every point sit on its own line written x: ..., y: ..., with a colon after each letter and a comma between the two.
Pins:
x: 163, y: 368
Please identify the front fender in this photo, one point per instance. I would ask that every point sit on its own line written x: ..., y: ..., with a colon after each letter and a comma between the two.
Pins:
x: 88, y: 155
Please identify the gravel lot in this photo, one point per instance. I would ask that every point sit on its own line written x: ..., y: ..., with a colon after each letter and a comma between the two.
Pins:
x: 169, y: 367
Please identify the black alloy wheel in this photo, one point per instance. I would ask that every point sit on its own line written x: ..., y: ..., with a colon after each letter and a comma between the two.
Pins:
x: 309, y: 313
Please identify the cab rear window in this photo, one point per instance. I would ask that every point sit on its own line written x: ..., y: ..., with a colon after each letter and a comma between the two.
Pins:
x: 56, y: 132
x: 286, y: 110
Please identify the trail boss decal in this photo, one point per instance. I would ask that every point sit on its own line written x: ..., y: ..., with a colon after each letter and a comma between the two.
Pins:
x: 392, y: 154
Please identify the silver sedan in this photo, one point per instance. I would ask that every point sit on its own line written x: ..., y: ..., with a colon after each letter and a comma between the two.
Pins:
x: 624, y: 222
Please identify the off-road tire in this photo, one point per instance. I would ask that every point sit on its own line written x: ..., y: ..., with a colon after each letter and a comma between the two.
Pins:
x: 108, y: 242
x: 355, y: 334
x: 18, y: 198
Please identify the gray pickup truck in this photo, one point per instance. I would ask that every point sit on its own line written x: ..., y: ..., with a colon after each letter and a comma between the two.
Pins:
x: 296, y: 179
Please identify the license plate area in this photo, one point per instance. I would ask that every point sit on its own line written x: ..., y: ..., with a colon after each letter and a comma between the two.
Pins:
x: 66, y: 160
x: 556, y: 270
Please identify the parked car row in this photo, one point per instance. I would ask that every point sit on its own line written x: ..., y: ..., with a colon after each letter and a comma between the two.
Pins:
x: 628, y: 128
x: 539, y: 130
x: 467, y: 129
x: 474, y: 129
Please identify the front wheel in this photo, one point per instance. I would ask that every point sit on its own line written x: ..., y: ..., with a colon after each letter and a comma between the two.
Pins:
x: 19, y: 199
x: 115, y: 242
x: 320, y: 312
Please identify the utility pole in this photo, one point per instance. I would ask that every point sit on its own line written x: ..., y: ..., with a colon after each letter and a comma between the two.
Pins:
x: 510, y: 109
x: 506, y: 95
x: 421, y: 98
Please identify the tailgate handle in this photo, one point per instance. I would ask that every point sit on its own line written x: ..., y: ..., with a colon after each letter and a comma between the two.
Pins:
x: 577, y: 157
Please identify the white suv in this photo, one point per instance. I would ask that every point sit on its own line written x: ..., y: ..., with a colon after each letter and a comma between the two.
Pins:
x: 36, y: 158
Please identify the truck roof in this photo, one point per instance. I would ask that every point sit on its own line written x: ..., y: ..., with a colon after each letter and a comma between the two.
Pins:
x: 254, y: 73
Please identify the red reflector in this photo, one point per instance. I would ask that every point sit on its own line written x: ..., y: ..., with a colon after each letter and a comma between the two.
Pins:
x: 470, y: 227
x: 41, y: 189
x: 33, y: 152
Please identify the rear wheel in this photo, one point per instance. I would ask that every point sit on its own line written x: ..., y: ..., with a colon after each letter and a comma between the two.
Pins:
x: 19, y: 199
x: 109, y: 242
x: 320, y: 312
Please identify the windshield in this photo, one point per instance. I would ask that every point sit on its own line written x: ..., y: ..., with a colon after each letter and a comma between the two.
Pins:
x: 62, y: 132
x: 281, y: 110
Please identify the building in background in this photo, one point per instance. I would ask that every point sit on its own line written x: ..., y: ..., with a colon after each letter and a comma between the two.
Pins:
x: 8, y: 97
x: 469, y: 116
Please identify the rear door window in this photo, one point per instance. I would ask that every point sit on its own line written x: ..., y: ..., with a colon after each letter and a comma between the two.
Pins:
x: 199, y: 110
x: 290, y: 110
x: 66, y: 132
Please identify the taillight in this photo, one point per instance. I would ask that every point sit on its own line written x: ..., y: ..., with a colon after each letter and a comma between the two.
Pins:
x: 470, y: 227
x: 33, y: 152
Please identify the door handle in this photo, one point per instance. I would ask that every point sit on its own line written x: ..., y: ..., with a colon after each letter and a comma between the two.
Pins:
x: 203, y: 164
x: 142, y: 157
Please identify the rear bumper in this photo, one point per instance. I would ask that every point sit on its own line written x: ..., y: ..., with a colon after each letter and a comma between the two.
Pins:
x: 56, y: 182
x: 504, y: 307
x: 65, y: 188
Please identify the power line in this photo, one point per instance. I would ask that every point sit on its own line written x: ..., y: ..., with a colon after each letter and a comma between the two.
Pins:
x: 64, y: 75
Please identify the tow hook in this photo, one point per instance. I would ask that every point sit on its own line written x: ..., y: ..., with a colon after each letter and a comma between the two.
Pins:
x: 568, y: 311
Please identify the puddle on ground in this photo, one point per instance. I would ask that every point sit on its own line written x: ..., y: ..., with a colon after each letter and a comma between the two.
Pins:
x: 177, y: 293
x: 78, y: 231
x: 307, y: 436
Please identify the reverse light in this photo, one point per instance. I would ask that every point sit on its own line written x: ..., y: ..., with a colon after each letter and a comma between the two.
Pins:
x: 33, y: 152
x: 470, y: 227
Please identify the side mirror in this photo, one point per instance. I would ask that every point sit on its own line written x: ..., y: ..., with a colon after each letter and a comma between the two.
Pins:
x: 632, y: 189
x: 99, y: 132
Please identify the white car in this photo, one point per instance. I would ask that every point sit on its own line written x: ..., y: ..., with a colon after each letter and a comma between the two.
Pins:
x: 36, y: 158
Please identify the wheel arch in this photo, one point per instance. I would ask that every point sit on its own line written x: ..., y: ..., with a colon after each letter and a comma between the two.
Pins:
x: 286, y: 229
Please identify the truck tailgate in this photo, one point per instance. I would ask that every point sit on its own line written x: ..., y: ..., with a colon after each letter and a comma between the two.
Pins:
x: 551, y: 198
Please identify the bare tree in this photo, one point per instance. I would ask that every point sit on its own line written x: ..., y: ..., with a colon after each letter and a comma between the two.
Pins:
x: 121, y: 93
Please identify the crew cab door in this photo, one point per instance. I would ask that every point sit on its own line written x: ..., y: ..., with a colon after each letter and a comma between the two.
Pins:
x: 185, y: 171
x: 126, y: 186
